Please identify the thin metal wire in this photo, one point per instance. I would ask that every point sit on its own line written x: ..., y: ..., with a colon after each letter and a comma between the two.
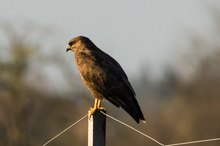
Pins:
x: 161, y: 144
x: 193, y: 142
x: 133, y: 129
x: 175, y: 144
x: 65, y: 130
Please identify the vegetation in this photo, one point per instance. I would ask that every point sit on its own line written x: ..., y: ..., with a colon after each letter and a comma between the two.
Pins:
x: 31, y: 111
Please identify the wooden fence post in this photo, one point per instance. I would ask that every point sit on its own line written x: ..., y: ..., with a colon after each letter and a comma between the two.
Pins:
x: 96, y: 128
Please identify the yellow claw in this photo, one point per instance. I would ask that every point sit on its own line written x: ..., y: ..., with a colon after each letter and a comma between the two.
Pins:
x: 91, y: 112
x: 97, y: 105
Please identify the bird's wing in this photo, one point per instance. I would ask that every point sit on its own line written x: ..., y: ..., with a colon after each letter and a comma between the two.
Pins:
x: 107, y: 77
x: 116, y: 69
x: 102, y: 71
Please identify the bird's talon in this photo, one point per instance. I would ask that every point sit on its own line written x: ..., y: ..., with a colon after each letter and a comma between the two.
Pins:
x: 91, y: 112
x: 101, y: 108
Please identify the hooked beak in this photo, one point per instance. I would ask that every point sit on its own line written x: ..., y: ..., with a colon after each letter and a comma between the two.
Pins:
x: 68, y: 48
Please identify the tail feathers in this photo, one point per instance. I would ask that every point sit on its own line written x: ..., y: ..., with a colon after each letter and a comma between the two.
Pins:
x: 133, y: 109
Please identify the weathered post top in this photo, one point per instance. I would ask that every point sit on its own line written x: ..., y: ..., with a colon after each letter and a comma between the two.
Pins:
x: 96, y: 128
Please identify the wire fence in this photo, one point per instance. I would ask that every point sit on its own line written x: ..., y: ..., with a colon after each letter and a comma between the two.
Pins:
x: 132, y: 128
x: 65, y: 130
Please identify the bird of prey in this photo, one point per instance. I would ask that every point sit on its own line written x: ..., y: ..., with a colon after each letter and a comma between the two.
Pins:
x: 104, y: 77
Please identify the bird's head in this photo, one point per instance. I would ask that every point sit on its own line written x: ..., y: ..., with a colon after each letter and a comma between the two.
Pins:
x: 79, y: 43
x: 75, y: 43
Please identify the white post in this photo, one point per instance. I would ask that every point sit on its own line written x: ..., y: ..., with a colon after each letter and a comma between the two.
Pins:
x: 96, y: 128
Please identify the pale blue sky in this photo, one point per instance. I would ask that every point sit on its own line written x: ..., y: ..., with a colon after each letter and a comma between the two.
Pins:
x: 147, y: 31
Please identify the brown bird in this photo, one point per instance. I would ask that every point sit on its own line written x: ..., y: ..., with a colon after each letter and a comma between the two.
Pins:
x: 104, y: 77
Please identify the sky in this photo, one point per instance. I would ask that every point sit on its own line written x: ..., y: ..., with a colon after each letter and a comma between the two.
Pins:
x: 138, y: 34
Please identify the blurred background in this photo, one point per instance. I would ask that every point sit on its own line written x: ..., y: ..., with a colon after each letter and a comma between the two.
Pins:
x: 169, y: 49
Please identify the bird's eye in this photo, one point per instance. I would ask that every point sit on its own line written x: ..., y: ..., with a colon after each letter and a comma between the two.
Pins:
x: 70, y: 43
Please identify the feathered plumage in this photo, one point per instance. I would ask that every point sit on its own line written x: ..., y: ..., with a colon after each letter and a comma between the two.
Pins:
x: 104, y: 77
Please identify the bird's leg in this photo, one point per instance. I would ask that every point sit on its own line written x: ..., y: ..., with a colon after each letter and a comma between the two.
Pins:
x: 92, y: 109
x: 97, y: 105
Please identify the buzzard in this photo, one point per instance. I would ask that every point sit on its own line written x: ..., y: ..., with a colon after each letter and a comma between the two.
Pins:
x: 104, y: 77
